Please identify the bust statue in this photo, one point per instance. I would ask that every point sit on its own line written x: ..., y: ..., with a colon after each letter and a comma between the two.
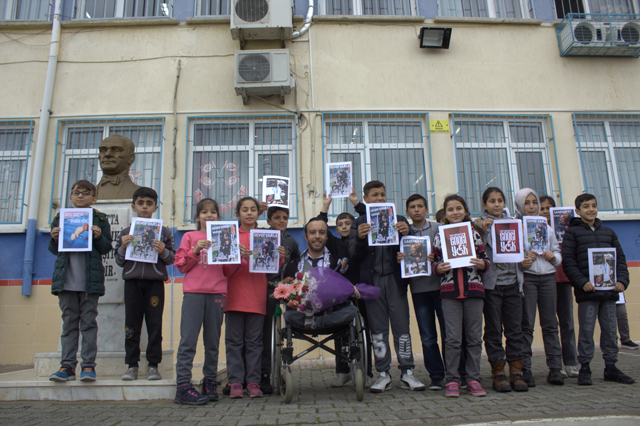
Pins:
x: 117, y: 154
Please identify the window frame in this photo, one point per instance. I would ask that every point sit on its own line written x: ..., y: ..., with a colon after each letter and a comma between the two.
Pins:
x: 358, y: 8
x: 526, y: 9
x: 586, y: 6
x: 9, y: 11
x: 20, y: 155
x: 80, y: 11
x: 199, y: 6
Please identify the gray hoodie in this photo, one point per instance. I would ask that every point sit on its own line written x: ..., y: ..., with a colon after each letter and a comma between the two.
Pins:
x: 540, y: 266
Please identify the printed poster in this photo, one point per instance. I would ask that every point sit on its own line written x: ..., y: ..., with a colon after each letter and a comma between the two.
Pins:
x: 75, y: 230
x: 457, y: 244
x: 536, y: 234
x: 416, y: 252
x: 264, y: 246
x: 560, y: 217
x: 602, y: 267
x: 382, y: 218
x: 621, y: 299
x: 225, y: 244
x: 145, y: 232
x: 506, y: 240
x: 338, y: 179
x: 275, y: 191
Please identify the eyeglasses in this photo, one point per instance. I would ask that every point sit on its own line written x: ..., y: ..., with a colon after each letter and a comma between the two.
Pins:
x: 83, y: 193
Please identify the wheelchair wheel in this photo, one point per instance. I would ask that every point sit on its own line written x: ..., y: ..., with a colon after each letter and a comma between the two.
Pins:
x: 359, y: 383
x: 286, y: 387
x: 276, y: 359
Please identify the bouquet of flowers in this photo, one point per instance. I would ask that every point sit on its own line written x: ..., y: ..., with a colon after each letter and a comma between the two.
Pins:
x: 292, y: 291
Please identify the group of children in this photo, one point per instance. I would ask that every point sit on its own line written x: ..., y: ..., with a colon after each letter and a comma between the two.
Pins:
x: 504, y: 295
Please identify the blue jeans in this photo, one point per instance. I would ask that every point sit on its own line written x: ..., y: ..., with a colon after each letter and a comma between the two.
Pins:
x: 427, y: 306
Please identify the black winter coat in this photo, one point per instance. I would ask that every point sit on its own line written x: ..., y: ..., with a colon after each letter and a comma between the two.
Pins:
x: 578, y: 239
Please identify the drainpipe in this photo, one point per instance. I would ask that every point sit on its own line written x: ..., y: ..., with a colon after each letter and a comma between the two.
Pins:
x: 38, y: 160
x: 307, y: 22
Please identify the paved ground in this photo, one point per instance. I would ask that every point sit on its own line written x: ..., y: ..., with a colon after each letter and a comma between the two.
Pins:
x: 316, y: 403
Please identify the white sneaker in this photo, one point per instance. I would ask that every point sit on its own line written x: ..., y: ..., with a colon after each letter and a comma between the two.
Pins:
x: 341, y: 380
x: 130, y: 374
x: 382, y: 383
x: 411, y: 382
x: 564, y: 373
x: 572, y: 370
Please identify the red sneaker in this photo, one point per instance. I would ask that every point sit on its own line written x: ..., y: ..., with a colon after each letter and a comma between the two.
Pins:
x: 254, y: 390
x: 236, y: 390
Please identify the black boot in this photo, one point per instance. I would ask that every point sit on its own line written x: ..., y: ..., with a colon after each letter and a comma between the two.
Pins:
x: 265, y: 384
x: 584, y: 377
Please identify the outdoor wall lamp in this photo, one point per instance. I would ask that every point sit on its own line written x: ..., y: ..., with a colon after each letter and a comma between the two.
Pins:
x: 435, y: 38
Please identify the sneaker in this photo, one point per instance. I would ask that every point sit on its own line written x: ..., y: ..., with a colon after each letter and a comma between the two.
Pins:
x: 236, y: 390
x: 411, y: 382
x: 572, y: 370
x: 382, y: 383
x: 341, y: 380
x: 629, y: 345
x: 436, y: 384
x: 209, y: 389
x: 612, y: 374
x: 265, y: 384
x: 564, y: 373
x: 527, y: 376
x: 226, y: 390
x: 88, y: 374
x: 474, y: 388
x: 452, y: 390
x: 555, y: 377
x: 130, y: 374
x: 65, y: 374
x: 253, y: 389
x: 153, y: 373
x: 187, y: 395
x: 584, y: 376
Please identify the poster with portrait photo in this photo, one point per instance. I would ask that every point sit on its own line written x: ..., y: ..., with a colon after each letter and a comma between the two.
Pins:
x: 75, y: 230
x: 416, y: 252
x: 457, y: 244
x: 536, y: 234
x: 275, y: 191
x: 264, y: 247
x: 225, y: 244
x: 382, y: 218
x: 338, y: 179
x: 560, y: 218
x: 145, y: 232
x: 602, y: 267
x: 506, y: 240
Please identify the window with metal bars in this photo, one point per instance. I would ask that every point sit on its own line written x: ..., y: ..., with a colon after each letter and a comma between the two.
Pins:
x: 486, y: 8
x: 389, y: 147
x: 228, y: 156
x: 368, y: 7
x: 609, y: 151
x: 101, y: 9
x: 506, y: 151
x: 32, y: 10
x: 213, y: 7
x: 563, y: 7
x: 77, y: 152
x: 15, y: 143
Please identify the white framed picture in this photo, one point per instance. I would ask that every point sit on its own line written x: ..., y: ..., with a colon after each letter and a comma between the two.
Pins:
x: 338, y: 179
x: 145, y: 232
x: 457, y: 244
x: 416, y: 252
x: 507, y: 241
x: 382, y: 218
x: 75, y: 230
x: 602, y: 267
x: 275, y: 191
x: 264, y: 247
x: 225, y: 242
x: 560, y: 218
x: 536, y: 234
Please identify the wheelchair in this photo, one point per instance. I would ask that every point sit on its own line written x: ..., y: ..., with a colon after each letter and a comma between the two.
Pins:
x: 282, y: 355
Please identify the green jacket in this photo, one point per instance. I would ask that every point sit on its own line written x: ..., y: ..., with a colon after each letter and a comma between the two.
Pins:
x: 95, y: 268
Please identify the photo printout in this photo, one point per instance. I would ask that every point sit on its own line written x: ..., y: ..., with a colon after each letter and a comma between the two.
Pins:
x: 275, y: 191
x: 457, y: 244
x: 560, y: 217
x: 264, y: 246
x: 506, y: 240
x: 145, y: 232
x: 225, y: 245
x: 536, y: 237
x: 382, y: 218
x: 75, y: 230
x: 602, y: 267
x: 416, y: 251
x: 338, y: 179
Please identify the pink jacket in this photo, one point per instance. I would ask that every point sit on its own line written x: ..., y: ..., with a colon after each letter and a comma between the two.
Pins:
x: 200, y: 277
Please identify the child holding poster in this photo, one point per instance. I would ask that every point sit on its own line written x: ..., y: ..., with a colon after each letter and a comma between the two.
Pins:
x: 503, y: 304
x: 78, y: 281
x: 462, y: 295
x: 245, y: 311
x: 540, y: 291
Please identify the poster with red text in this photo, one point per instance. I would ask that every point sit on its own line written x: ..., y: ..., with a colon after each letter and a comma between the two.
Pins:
x: 457, y: 244
x: 506, y: 240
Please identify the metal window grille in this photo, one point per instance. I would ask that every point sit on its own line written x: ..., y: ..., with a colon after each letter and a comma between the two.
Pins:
x: 33, y: 10
x: 228, y: 156
x: 101, y: 9
x: 609, y: 151
x: 15, y: 145
x: 563, y: 7
x: 368, y: 7
x: 212, y: 7
x: 484, y: 8
x: 389, y: 147
x: 77, y: 153
x: 506, y: 151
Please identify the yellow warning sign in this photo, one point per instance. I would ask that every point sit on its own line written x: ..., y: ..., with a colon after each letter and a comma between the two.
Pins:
x: 439, y: 126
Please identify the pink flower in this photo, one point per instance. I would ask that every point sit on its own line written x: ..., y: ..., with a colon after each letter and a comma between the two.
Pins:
x: 296, y: 286
x: 282, y: 291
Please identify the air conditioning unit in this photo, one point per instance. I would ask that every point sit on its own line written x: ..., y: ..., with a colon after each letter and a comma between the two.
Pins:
x: 625, y: 32
x: 587, y: 33
x: 261, y: 20
x: 263, y: 73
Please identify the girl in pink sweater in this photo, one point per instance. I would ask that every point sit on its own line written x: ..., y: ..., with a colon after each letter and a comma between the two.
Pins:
x: 205, y: 291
